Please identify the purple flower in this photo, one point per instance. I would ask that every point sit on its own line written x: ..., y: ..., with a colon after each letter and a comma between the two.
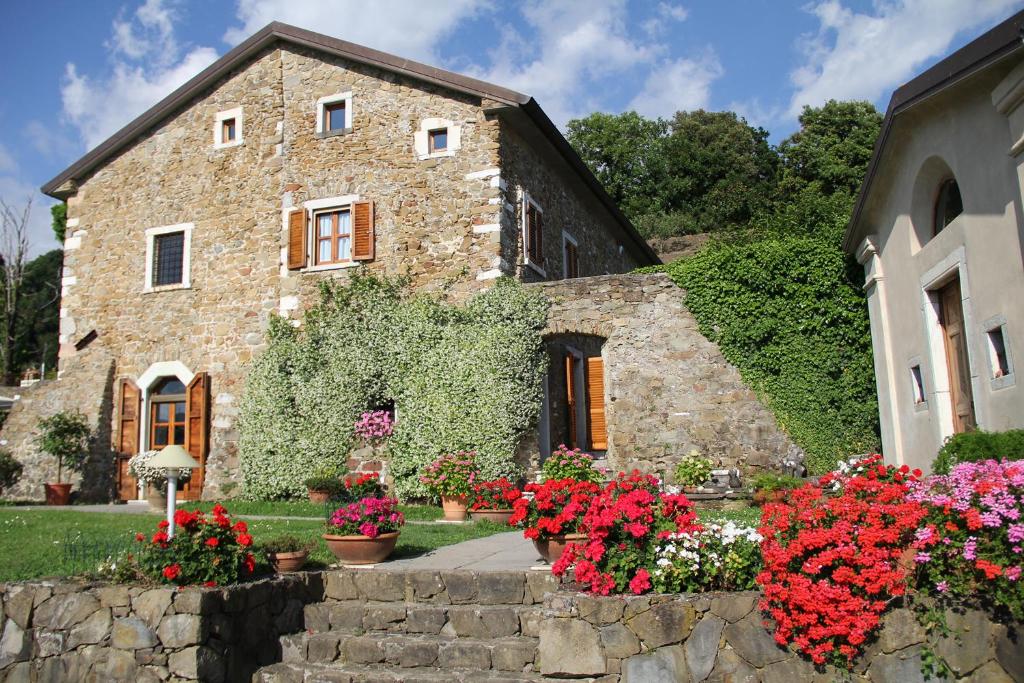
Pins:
x: 921, y: 558
x: 942, y: 586
x: 970, y: 548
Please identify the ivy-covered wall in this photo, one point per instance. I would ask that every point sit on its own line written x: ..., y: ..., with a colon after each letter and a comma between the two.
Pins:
x: 460, y: 377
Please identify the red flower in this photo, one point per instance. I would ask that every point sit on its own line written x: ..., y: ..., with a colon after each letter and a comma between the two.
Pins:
x: 210, y: 584
x: 244, y: 540
x: 160, y: 538
x: 240, y: 527
x: 250, y: 563
x: 163, y: 524
x: 641, y: 582
x: 140, y: 537
x: 212, y: 542
x: 991, y: 570
x: 219, y: 509
x: 172, y: 571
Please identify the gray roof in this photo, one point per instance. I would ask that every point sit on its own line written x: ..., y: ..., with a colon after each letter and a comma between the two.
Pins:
x: 985, y: 50
x: 278, y: 32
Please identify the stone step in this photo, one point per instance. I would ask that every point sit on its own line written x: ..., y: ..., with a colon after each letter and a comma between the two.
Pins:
x: 440, y: 587
x: 516, y: 653
x: 351, y: 673
x: 470, y: 621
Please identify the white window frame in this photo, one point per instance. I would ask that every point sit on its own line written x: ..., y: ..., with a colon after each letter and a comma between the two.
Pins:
x: 186, y: 257
x: 218, y: 128
x: 421, y: 139
x: 568, y: 239
x: 313, y: 207
x: 998, y: 322
x: 321, y: 114
x: 529, y: 201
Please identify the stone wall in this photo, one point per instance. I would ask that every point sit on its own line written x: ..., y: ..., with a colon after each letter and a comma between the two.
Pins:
x: 667, y: 388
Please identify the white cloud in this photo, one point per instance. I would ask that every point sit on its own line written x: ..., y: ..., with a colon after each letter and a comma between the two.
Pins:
x: 51, y: 142
x: 675, y: 12
x: 411, y: 28
x: 150, y: 33
x: 6, y: 160
x: 16, y: 191
x: 678, y: 85
x: 862, y: 56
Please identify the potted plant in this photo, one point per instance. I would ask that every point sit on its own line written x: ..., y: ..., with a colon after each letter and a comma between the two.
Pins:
x: 367, y: 485
x: 773, y: 488
x: 451, y: 477
x: 551, y: 518
x: 155, y: 479
x: 287, y: 553
x: 493, y: 500
x: 571, y: 463
x: 324, y: 485
x: 692, y: 471
x: 65, y: 436
x: 364, y: 532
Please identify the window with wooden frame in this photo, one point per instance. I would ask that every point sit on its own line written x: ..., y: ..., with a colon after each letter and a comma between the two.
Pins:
x: 533, y: 234
x: 334, y: 114
x: 570, y: 256
x: 338, y: 233
x: 227, y: 129
x: 167, y: 414
x: 437, y: 140
x: 227, y: 133
x: 332, y: 237
x: 168, y: 257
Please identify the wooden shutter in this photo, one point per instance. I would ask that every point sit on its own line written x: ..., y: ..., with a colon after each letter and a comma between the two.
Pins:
x: 570, y: 394
x: 297, y: 239
x: 597, y: 428
x: 128, y: 408
x: 197, y: 431
x: 362, y: 231
x: 534, y: 234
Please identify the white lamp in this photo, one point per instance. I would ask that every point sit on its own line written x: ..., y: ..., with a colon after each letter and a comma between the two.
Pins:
x: 172, y: 459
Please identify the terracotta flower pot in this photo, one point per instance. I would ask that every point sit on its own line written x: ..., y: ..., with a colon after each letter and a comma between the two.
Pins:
x: 361, y: 549
x: 288, y: 562
x: 761, y: 497
x: 157, y: 501
x: 552, y: 548
x: 454, y: 508
x: 57, y: 494
x: 496, y: 516
x: 319, y: 496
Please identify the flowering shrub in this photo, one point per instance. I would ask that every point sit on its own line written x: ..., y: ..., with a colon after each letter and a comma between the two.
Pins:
x: 374, y: 426
x: 623, y: 524
x: 869, y: 466
x: 972, y: 541
x: 831, y: 563
x: 363, y: 486
x: 205, y: 551
x: 557, y: 508
x: 499, y: 494
x: 451, y: 475
x: 571, y: 463
x: 715, y: 558
x: 367, y: 517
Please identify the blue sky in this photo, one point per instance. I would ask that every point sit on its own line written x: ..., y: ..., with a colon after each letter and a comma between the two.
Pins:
x: 74, y: 72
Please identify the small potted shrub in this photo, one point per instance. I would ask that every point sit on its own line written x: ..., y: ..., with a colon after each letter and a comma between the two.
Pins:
x: 451, y: 477
x: 552, y: 517
x: 693, y: 471
x: 65, y: 436
x: 364, y: 532
x: 155, y: 479
x: 493, y: 500
x: 10, y: 470
x: 324, y: 485
x: 571, y: 463
x: 773, y: 488
x: 362, y: 486
x: 287, y: 553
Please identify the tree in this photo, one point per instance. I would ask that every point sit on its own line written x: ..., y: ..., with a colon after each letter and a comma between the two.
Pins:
x: 37, y: 333
x: 13, y: 252
x: 65, y: 436
x: 59, y: 214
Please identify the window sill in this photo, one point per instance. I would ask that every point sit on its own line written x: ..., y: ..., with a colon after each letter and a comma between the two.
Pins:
x: 331, y: 266
x: 537, y: 269
x: 436, y: 155
x: 165, y: 288
x: 226, y: 145
x: 320, y: 135
x: 921, y: 407
x: 1007, y: 380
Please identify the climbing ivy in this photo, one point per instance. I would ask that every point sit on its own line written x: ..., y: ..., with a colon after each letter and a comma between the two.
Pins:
x: 461, y: 378
x: 790, y: 313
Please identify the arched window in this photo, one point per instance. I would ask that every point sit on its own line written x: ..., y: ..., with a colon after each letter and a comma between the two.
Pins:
x: 948, y: 205
x: 167, y: 413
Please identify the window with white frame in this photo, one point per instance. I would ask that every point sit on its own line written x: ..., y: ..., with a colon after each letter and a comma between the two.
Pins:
x: 437, y: 138
x: 168, y: 257
x: 570, y: 256
x: 334, y: 114
x: 1000, y: 360
x: 227, y: 128
x: 533, y: 234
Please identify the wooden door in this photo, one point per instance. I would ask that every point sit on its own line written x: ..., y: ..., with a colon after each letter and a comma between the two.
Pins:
x: 951, y: 317
x: 570, y: 389
x: 597, y: 428
x: 129, y: 403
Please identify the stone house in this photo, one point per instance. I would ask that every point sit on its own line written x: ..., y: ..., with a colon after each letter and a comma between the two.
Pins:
x: 292, y: 159
x: 939, y: 229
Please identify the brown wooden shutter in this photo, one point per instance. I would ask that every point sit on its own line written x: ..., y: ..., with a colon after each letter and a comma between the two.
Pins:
x: 297, y: 239
x: 128, y: 408
x: 570, y: 394
x: 538, y: 244
x: 597, y: 428
x: 362, y: 231
x: 197, y: 431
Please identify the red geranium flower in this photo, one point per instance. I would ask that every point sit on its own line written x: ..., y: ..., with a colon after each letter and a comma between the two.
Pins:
x: 172, y: 571
x: 212, y: 542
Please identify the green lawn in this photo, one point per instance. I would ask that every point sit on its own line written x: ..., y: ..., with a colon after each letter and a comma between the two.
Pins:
x: 745, y: 516
x: 303, y: 508
x: 46, y: 543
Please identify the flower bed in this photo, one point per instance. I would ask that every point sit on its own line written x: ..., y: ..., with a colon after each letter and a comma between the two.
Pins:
x: 557, y: 508
x: 499, y: 494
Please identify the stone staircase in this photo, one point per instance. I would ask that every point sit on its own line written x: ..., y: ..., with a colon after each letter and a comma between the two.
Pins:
x: 418, y: 626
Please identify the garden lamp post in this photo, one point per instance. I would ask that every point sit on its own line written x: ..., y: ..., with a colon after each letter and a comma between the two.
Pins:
x: 171, y: 460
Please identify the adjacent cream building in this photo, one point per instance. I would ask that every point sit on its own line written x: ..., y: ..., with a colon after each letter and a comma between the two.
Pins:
x: 939, y: 229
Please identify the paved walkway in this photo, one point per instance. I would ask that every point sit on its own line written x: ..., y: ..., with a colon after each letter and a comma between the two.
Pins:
x: 499, y: 551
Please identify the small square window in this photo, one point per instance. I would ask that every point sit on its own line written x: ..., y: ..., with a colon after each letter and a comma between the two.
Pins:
x: 997, y: 353
x: 918, y: 384
x: 168, y: 259
x: 438, y: 140
x: 228, y: 131
x: 334, y: 116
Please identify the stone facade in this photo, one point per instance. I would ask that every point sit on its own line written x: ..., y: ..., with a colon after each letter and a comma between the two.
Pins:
x: 667, y: 388
x: 444, y: 220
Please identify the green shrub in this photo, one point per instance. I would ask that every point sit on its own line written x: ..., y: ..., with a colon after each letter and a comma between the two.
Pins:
x: 978, y: 445
x: 777, y: 482
x: 65, y: 436
x: 10, y: 470
x: 693, y: 469
x: 287, y: 544
x: 331, y: 485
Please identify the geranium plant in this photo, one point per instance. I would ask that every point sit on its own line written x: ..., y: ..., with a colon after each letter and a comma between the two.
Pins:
x: 571, y: 463
x: 716, y: 558
x: 832, y: 563
x: 451, y: 475
x: 374, y: 426
x: 369, y: 517
x: 207, y: 551
x: 623, y: 524
x: 556, y: 508
x: 362, y: 486
x: 139, y: 467
x: 499, y: 494
x: 971, y: 547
